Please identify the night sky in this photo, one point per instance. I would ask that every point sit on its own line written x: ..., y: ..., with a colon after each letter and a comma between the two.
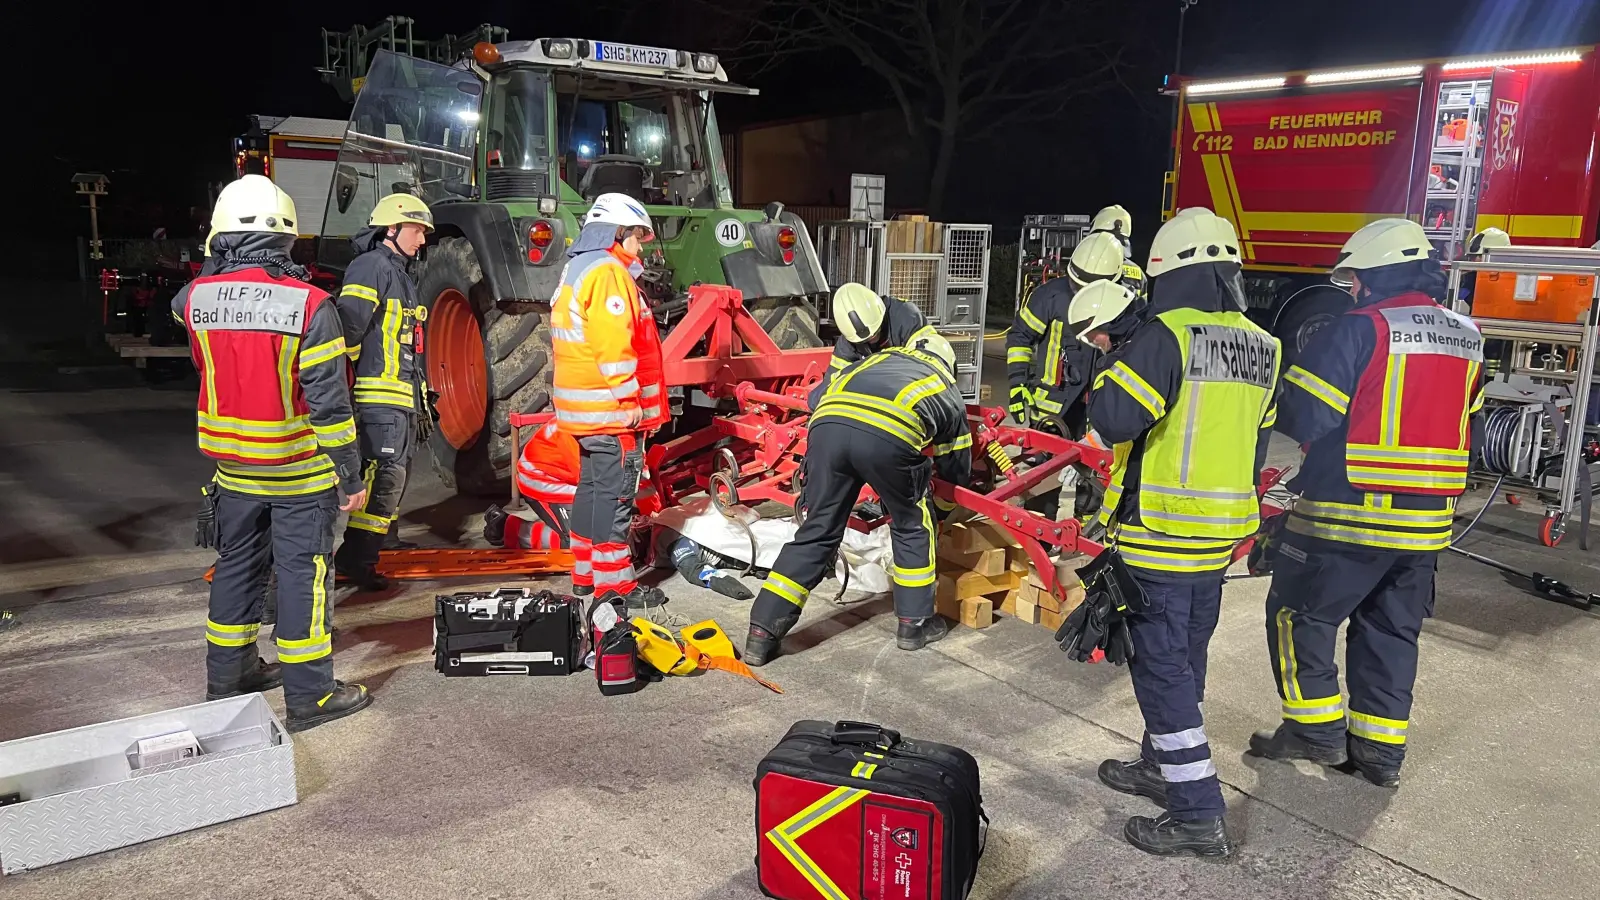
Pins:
x: 153, y: 95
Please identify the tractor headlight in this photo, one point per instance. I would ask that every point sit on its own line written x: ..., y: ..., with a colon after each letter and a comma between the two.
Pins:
x: 557, y: 48
x: 705, y: 63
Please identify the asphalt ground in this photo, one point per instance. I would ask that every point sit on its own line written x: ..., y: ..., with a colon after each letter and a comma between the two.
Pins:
x: 542, y: 788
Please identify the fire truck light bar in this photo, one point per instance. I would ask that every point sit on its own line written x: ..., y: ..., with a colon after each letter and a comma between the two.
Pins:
x: 1349, y: 75
x: 1531, y: 59
x: 1228, y: 87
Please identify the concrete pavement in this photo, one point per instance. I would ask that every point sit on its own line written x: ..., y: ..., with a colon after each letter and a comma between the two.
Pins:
x: 541, y: 788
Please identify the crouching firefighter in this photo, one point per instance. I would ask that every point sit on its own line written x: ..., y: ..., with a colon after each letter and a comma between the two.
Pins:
x: 608, y: 392
x: 869, y: 323
x: 382, y: 330
x: 1382, y: 396
x: 1047, y: 367
x: 1192, y: 388
x: 274, y: 413
x: 877, y: 424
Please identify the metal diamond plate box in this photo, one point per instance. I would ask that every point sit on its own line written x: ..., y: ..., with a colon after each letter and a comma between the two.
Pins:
x: 74, y: 793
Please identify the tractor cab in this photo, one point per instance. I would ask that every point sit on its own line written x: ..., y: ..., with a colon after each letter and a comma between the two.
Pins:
x: 510, y: 147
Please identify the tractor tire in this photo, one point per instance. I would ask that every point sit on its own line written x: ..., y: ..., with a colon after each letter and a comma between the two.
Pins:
x: 485, y: 363
x: 1304, y: 314
x: 791, y: 322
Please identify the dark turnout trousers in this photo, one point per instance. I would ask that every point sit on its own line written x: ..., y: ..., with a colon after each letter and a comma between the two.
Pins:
x: 840, y: 459
x: 385, y: 436
x: 1317, y: 586
x: 1171, y: 639
x: 256, y: 535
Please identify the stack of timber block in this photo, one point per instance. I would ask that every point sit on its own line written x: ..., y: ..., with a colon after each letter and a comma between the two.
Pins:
x: 982, y: 571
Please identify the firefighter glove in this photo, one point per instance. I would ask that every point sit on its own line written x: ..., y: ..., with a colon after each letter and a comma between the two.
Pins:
x: 1020, y: 400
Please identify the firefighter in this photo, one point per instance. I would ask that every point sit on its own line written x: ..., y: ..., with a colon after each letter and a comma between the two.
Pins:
x: 1048, y: 369
x: 274, y: 413
x: 1115, y: 221
x: 869, y: 323
x: 1192, y: 386
x: 872, y: 427
x: 607, y: 392
x: 1382, y: 397
x: 382, y: 323
x: 1103, y: 315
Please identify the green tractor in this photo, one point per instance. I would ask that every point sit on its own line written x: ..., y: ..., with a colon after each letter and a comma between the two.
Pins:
x: 510, y: 148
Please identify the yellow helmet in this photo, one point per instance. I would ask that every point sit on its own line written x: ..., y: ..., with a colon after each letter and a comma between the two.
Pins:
x: 1114, y: 220
x: 1195, y: 235
x: 1098, y: 257
x: 934, y: 344
x: 253, y: 204
x: 1098, y: 304
x: 1386, y: 242
x: 1488, y: 239
x: 858, y: 312
x: 398, y: 209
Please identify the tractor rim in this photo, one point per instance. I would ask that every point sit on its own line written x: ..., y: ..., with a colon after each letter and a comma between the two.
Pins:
x: 456, y: 368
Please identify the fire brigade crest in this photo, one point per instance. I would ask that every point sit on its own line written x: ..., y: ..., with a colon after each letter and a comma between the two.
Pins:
x: 1505, y: 131
x: 905, y: 837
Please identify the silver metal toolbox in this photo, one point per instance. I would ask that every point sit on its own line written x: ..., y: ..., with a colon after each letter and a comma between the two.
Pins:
x: 80, y: 793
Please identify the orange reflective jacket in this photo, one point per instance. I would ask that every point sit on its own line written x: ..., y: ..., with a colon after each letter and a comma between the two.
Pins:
x: 549, y: 467
x: 600, y: 330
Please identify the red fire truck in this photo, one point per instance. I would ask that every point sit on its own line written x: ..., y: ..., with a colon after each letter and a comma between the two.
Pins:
x: 1300, y: 161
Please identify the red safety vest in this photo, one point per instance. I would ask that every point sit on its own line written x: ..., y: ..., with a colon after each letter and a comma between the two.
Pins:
x: 245, y: 332
x: 1409, y: 431
x: 652, y: 382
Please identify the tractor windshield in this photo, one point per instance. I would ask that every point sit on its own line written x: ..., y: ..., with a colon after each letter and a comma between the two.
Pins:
x: 414, y: 129
x: 655, y: 143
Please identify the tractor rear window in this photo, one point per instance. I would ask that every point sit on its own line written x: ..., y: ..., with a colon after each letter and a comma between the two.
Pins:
x: 517, y: 136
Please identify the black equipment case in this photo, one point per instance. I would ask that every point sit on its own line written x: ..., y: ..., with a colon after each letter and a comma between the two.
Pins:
x: 851, y: 811
x: 508, y: 631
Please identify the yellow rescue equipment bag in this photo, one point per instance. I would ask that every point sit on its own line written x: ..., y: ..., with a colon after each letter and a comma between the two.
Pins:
x: 661, y: 649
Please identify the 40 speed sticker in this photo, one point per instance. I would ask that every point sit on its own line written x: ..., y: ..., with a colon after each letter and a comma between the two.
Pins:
x: 730, y: 232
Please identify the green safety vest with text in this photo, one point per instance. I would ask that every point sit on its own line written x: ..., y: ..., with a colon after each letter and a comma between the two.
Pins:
x: 1197, y: 476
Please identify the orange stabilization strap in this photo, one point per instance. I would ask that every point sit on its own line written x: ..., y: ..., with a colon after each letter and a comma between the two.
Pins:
x: 423, y: 564
x: 728, y: 665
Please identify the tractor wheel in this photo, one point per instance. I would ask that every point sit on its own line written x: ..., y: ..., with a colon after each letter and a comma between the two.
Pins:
x: 791, y: 322
x: 1306, y: 313
x: 484, y: 363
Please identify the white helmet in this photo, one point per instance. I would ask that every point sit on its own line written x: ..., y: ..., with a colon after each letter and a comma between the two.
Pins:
x: 1195, y: 235
x: 1114, y: 220
x: 619, y: 210
x: 858, y: 312
x: 1386, y: 242
x: 1488, y: 239
x: 936, y: 345
x: 1097, y: 257
x: 1097, y: 305
x: 253, y: 204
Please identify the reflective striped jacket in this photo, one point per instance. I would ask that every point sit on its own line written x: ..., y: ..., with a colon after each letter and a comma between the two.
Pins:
x: 908, y: 397
x: 381, y: 314
x: 1043, y: 354
x: 1185, y: 531
x: 1321, y: 404
x: 273, y: 408
x: 606, y: 348
x: 548, y: 467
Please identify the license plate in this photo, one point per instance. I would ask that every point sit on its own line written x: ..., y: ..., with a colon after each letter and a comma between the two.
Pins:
x: 633, y: 55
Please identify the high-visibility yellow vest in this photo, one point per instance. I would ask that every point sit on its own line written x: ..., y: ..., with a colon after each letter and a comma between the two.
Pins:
x: 1197, y: 475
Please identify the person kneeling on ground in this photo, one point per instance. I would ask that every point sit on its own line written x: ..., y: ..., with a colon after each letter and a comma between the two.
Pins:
x: 547, y: 477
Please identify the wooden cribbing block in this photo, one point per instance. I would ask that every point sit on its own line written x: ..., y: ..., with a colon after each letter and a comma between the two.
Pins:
x: 976, y: 536
x: 1008, y: 602
x: 1027, y: 612
x: 975, y: 584
x: 984, y: 562
x: 977, y: 612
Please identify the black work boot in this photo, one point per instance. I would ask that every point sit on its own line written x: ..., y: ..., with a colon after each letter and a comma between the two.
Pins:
x: 366, y: 580
x: 8, y: 619
x: 583, y: 590
x: 761, y: 646
x: 344, y: 700
x: 641, y: 597
x: 1366, y: 762
x: 1285, y: 744
x: 914, y: 634
x: 494, y: 525
x: 264, y: 677
x: 1167, y: 836
x: 1141, y: 778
